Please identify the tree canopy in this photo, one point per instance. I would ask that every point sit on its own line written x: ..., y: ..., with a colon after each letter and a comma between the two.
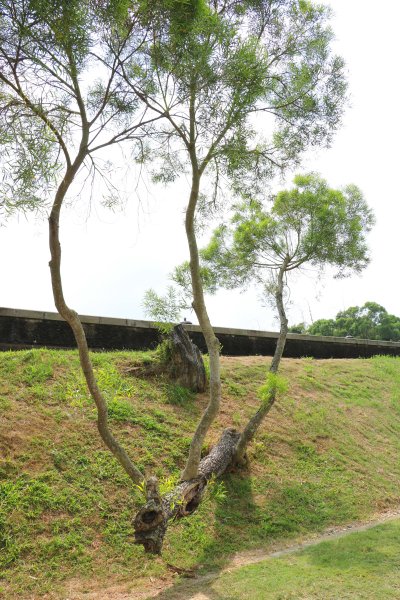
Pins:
x: 370, y: 321
x: 245, y: 87
x: 62, y: 99
x: 310, y: 224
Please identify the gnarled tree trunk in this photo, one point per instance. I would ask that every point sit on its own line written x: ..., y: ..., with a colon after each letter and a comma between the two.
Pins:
x: 151, y: 522
x: 186, y: 366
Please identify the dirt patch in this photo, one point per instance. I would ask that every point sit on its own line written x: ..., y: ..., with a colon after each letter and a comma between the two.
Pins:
x: 142, y: 589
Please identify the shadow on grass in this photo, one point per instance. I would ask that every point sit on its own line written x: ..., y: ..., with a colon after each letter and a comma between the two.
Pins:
x: 236, y: 509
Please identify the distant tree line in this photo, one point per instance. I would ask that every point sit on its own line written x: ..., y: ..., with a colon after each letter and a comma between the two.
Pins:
x: 371, y: 321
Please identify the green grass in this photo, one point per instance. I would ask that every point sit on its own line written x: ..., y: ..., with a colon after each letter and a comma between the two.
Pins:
x: 361, y: 565
x: 327, y: 454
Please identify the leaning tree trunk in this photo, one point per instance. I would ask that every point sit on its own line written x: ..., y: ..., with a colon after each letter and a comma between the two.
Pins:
x: 151, y: 522
x: 75, y: 323
x: 256, y: 420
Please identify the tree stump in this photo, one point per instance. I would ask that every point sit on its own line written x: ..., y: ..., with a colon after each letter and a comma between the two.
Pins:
x: 187, y: 366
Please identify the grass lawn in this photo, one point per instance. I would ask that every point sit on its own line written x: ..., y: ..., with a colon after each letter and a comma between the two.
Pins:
x: 327, y: 454
x: 360, y: 565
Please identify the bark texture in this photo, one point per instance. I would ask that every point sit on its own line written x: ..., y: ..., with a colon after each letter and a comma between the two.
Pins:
x: 151, y: 522
x: 187, y: 366
x: 213, y: 346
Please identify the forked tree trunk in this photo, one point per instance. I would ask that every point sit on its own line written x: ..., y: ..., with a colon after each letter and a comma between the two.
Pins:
x: 151, y: 522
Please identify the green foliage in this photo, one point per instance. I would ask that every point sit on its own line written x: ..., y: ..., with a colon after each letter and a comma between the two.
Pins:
x: 165, y: 485
x: 168, y: 484
x: 333, y: 223
x: 214, y: 64
x: 182, y: 277
x: 45, y: 109
x: 309, y: 224
x: 370, y: 321
x: 163, y: 350
x: 217, y: 489
x: 275, y: 385
x: 30, y: 165
x: 165, y: 310
x: 141, y: 488
x: 299, y: 328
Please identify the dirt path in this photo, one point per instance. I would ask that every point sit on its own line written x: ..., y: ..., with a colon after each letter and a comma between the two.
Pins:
x: 196, y: 588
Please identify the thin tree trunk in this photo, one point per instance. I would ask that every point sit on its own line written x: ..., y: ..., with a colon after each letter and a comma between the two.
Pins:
x: 73, y: 320
x: 256, y: 420
x: 152, y: 520
x: 213, y: 346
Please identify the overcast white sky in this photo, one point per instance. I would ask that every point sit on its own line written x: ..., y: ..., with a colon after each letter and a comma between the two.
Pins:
x: 109, y: 260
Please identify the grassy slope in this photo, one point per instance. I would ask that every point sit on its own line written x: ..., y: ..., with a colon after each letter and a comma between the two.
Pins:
x: 362, y: 565
x: 327, y: 454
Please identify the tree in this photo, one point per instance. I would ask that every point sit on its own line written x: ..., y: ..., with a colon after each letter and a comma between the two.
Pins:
x: 310, y: 224
x: 299, y: 328
x: 325, y: 327
x: 55, y: 117
x: 245, y: 88
x: 221, y: 71
x: 370, y: 321
x: 216, y: 73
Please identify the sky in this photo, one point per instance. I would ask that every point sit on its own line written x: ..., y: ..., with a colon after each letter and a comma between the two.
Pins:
x: 111, y: 259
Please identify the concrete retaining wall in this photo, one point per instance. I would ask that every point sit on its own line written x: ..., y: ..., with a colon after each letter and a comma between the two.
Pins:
x: 29, y: 329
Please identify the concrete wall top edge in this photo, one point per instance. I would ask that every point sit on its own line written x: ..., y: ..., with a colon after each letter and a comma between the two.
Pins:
x: 35, y: 314
x: 53, y: 316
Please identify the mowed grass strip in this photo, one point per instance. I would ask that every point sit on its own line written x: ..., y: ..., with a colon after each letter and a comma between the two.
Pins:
x: 360, y: 565
x: 327, y: 454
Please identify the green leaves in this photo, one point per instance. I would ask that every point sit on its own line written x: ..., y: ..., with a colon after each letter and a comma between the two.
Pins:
x: 310, y: 223
x: 275, y: 385
x: 216, y: 64
x: 63, y: 22
x: 30, y: 166
x: 370, y: 321
x: 332, y: 223
x: 164, y: 309
x: 61, y: 98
